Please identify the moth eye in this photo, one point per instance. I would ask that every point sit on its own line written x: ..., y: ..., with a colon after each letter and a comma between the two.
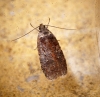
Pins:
x: 43, y: 26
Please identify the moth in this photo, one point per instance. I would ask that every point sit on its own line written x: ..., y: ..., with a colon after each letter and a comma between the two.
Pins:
x: 52, y: 60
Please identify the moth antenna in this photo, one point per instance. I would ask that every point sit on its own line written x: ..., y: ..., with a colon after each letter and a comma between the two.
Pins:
x: 33, y: 27
x: 25, y: 34
x: 48, y: 22
x: 60, y: 27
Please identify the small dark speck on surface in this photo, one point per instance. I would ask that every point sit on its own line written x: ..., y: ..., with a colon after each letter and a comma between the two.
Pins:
x: 32, y: 78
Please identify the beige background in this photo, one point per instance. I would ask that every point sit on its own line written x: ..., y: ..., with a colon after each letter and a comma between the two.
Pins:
x: 20, y: 69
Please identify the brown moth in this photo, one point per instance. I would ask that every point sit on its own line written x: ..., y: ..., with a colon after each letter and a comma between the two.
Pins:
x: 52, y: 59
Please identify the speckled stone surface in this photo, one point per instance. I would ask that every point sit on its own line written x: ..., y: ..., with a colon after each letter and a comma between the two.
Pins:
x: 20, y: 69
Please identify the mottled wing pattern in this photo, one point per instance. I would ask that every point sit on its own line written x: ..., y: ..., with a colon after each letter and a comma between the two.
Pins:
x: 51, y: 57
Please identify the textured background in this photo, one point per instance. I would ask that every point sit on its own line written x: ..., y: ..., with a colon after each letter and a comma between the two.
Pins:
x: 20, y: 69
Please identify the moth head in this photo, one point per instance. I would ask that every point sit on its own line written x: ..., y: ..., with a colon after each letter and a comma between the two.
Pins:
x: 41, y: 27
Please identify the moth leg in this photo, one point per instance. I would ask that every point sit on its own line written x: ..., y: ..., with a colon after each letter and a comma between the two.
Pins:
x: 35, y: 48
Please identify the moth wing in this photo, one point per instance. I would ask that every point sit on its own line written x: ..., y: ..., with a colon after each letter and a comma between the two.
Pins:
x: 52, y: 59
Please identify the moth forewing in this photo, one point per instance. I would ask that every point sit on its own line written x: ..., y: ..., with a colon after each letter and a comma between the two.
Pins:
x: 52, y: 59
